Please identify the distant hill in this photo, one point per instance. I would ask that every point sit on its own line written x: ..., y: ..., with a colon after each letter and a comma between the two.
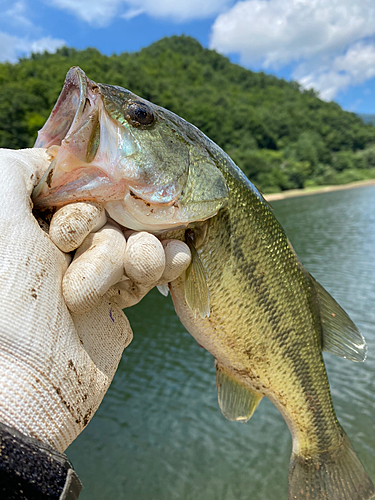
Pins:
x: 367, y: 118
x: 280, y: 135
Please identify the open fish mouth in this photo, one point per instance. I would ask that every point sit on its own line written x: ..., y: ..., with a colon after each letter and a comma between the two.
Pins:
x: 74, y: 129
x: 77, y: 93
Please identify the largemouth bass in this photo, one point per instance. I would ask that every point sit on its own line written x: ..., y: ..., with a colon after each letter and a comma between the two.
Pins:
x: 246, y: 297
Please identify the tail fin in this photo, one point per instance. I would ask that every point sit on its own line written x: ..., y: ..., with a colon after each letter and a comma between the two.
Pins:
x: 332, y: 475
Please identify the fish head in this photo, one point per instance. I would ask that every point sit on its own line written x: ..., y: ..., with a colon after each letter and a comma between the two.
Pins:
x: 148, y: 167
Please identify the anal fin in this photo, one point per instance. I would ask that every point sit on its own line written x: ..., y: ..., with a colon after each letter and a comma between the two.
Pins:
x: 237, y: 401
x: 340, y: 335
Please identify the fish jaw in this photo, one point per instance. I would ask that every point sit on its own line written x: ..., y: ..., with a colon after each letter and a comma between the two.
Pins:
x: 68, y: 109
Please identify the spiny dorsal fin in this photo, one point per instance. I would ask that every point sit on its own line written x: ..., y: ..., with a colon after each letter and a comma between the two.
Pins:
x: 197, y: 294
x: 237, y: 401
x: 340, y: 335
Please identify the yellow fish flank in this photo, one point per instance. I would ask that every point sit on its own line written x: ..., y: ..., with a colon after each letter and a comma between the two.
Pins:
x: 265, y: 331
x: 246, y: 297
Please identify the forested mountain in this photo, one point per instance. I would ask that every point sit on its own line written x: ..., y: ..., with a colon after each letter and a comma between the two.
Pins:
x: 280, y: 135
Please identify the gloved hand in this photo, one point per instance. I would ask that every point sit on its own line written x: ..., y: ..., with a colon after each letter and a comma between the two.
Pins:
x: 57, y: 363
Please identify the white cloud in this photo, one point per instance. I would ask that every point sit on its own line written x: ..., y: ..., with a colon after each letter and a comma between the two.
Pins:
x: 102, y: 12
x: 354, y: 67
x: 354, y: 106
x: 47, y: 43
x: 179, y: 10
x: 322, y: 36
x: 17, y: 18
x: 17, y: 14
x: 13, y: 47
x: 96, y: 12
x: 10, y: 46
x: 280, y: 31
x: 131, y: 13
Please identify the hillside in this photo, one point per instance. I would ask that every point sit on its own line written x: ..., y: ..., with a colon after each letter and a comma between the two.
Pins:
x: 281, y: 136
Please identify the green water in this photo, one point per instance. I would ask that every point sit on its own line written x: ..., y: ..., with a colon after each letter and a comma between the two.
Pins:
x: 159, y: 434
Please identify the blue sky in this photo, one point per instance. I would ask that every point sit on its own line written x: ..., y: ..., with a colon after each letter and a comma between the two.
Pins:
x: 325, y: 44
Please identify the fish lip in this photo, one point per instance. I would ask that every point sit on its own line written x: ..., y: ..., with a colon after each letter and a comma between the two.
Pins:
x: 64, y: 116
x: 64, y: 121
x: 77, y: 189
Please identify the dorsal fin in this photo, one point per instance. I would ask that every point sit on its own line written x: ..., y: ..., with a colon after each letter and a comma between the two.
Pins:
x: 340, y: 335
x: 237, y: 401
x: 197, y: 294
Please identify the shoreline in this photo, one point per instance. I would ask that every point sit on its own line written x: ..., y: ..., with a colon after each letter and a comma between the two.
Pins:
x: 294, y: 193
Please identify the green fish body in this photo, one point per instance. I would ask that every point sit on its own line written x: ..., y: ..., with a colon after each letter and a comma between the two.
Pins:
x: 265, y: 332
x: 246, y: 297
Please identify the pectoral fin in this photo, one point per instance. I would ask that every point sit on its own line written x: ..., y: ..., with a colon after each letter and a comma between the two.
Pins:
x: 237, y: 401
x: 197, y: 294
x: 340, y: 335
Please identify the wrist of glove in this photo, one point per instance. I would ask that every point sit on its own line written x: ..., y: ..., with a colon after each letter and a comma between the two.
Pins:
x: 62, y: 329
x: 33, y: 470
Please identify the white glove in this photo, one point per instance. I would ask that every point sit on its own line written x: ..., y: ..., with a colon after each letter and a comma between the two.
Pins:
x: 56, y: 365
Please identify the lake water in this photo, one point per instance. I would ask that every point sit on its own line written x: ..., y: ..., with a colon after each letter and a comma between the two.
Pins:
x: 159, y: 434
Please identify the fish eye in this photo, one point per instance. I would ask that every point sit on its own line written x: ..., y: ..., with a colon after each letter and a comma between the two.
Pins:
x: 138, y: 113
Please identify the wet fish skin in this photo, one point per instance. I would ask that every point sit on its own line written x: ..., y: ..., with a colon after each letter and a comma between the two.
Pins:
x: 263, y: 312
x: 265, y: 331
x: 264, y: 325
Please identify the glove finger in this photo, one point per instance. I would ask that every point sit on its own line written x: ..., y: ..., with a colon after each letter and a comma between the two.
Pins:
x: 97, y: 265
x: 127, y: 293
x: 177, y: 260
x: 73, y: 223
x: 144, y: 259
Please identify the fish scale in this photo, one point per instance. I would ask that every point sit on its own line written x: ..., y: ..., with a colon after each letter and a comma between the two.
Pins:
x: 259, y: 312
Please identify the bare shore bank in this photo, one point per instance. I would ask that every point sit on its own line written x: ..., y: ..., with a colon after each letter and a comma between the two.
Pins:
x: 292, y: 193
